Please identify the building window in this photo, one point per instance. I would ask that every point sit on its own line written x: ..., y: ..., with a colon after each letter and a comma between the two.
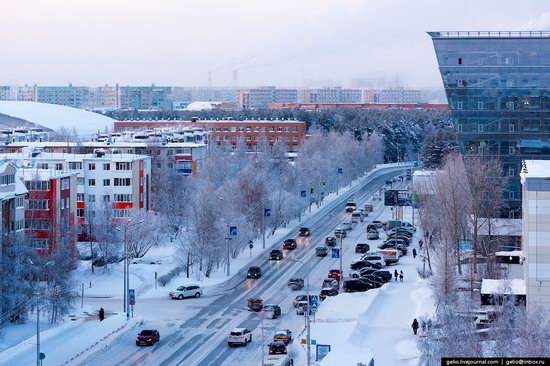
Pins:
x: 91, y: 182
x: 7, y: 179
x: 233, y: 129
x: 122, y: 182
x: 124, y: 166
x: 511, y: 195
x: 122, y: 197
x: 59, y: 166
x: 511, y: 172
x: 91, y: 198
x: 121, y: 213
x: 459, y: 105
x: 91, y: 166
x: 479, y: 105
x: 460, y: 60
x: 106, y: 166
x: 39, y: 243
x: 106, y: 182
x: 80, y: 197
x: 80, y: 212
x: 511, y: 127
x: 67, y: 204
x: 35, y: 185
x: 38, y: 204
x: 19, y: 201
x: 106, y: 198
x: 65, y: 184
x: 62, y: 204
x: 511, y: 150
x: 479, y: 128
x: 248, y: 138
x: 75, y: 165
x: 510, y: 105
x: 459, y: 128
x: 80, y: 181
x: 42, y: 165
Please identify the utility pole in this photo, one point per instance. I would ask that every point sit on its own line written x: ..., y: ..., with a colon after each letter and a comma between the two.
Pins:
x: 308, y: 335
x: 263, y: 224
x: 228, y: 256
x: 38, y: 329
x: 341, y: 253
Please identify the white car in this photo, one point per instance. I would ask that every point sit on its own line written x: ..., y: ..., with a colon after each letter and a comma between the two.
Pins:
x: 239, y: 336
x: 375, y: 258
x: 186, y: 291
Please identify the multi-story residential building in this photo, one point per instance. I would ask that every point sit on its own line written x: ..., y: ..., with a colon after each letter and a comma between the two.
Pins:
x: 70, y: 96
x: 182, y: 94
x: 212, y: 94
x: 395, y: 95
x: 12, y: 199
x: 536, y: 234
x: 121, y: 182
x: 145, y: 97
x: 27, y: 93
x: 314, y: 106
x: 251, y: 132
x: 104, y: 97
x: 331, y: 95
x: 264, y: 97
x: 496, y: 85
x: 7, y: 92
x: 50, y: 209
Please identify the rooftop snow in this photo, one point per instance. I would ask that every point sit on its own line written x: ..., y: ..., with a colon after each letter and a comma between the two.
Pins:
x: 54, y: 116
x: 537, y: 169
x: 511, y: 287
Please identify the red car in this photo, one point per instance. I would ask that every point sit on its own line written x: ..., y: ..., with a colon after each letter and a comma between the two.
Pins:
x: 330, y: 241
x: 255, y: 304
x: 335, y: 273
x: 147, y: 337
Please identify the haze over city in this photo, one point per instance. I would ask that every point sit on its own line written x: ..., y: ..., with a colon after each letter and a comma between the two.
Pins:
x: 281, y: 43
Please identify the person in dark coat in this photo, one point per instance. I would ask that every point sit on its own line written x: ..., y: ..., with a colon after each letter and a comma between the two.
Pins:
x: 395, y: 274
x: 414, y: 253
x: 401, y: 276
x: 415, y: 326
x: 420, y: 242
x: 101, y: 314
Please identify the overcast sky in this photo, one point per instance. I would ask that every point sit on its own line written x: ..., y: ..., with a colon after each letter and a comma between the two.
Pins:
x: 275, y: 42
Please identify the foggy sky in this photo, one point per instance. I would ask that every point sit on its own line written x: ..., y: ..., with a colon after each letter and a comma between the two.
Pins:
x: 276, y: 42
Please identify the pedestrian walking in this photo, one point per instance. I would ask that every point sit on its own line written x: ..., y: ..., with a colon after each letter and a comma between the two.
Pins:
x: 395, y: 274
x: 420, y: 242
x: 101, y: 314
x: 423, y: 327
x: 414, y: 253
x: 401, y: 276
x: 415, y: 326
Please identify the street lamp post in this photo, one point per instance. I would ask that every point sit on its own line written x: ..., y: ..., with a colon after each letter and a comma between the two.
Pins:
x: 341, y: 255
x: 306, y: 313
x: 37, y: 294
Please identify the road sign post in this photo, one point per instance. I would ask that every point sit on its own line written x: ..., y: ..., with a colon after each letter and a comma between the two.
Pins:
x: 132, y: 296
x: 232, y: 232
x: 267, y: 213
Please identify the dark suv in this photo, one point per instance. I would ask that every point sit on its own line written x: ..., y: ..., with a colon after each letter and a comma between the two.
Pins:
x: 362, y: 248
x: 254, y: 272
x: 295, y: 284
x: 255, y: 304
x: 330, y: 241
x: 360, y: 264
x: 304, y: 231
x: 277, y: 348
x: 328, y: 291
x: 289, y: 244
x: 356, y: 286
x: 276, y: 254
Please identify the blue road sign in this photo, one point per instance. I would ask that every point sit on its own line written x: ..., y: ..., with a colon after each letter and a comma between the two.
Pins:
x: 340, y: 170
x: 314, y: 300
x: 313, y: 342
x: 305, y: 307
x: 233, y: 230
x: 267, y: 212
x: 303, y: 193
x: 132, y: 296
x: 335, y: 253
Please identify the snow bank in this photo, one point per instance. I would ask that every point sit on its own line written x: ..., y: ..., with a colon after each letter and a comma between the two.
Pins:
x: 514, y: 287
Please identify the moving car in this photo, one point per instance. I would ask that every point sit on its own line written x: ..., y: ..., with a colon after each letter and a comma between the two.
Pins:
x: 186, y: 291
x: 373, y: 235
x: 273, y: 310
x: 278, y: 360
x: 295, y: 284
x: 321, y: 251
x: 351, y: 205
x: 327, y: 291
x: 276, y: 254
x: 368, y: 208
x: 330, y: 241
x: 298, y: 299
x: 304, y: 231
x: 147, y: 337
x: 239, y: 336
x: 289, y: 244
x: 335, y: 273
x: 330, y: 282
x: 357, y: 216
x: 254, y: 272
x: 347, y: 225
x: 356, y: 285
x: 340, y: 232
x: 372, y: 227
x: 362, y: 248
x: 378, y: 224
x: 255, y: 304
x: 377, y: 196
x: 277, y: 348
x: 284, y: 336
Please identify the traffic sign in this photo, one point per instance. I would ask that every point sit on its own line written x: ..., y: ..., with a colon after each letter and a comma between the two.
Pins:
x: 305, y: 308
x: 314, y: 300
x: 313, y: 342
x: 132, y: 296
x: 267, y: 212
x: 335, y: 253
x: 42, y: 355
x: 340, y: 170
x: 251, y: 245
x: 233, y: 230
x: 322, y: 351
x: 303, y: 193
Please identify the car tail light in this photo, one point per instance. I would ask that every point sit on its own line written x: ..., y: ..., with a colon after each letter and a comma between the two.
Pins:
x: 241, y: 336
x: 284, y: 351
x: 270, y: 351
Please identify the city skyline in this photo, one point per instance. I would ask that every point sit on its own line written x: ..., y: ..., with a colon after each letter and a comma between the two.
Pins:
x: 284, y: 44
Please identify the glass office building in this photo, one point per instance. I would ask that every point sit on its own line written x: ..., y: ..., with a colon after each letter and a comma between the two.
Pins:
x: 498, y: 89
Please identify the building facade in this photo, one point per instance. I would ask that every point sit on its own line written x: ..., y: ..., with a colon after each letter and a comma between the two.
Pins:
x: 12, y: 200
x: 331, y: 95
x: 145, y: 97
x: 396, y: 95
x: 497, y: 89
x: 70, y: 96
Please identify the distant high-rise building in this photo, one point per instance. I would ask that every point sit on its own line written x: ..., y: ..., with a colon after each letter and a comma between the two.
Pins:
x: 497, y: 90
x: 27, y: 93
x: 264, y: 97
x: 146, y: 97
x: 331, y: 95
x: 70, y: 96
x: 215, y: 94
x: 7, y: 92
x: 393, y: 96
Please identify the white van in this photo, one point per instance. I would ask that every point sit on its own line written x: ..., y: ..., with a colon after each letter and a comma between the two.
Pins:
x: 357, y: 216
x: 390, y: 256
x: 278, y: 360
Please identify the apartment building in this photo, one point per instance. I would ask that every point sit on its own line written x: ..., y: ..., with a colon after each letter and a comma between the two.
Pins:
x: 264, y: 97
x: 70, y: 96
x: 12, y: 199
x: 395, y: 95
x: 146, y: 97
x: 50, y: 208
x: 331, y: 95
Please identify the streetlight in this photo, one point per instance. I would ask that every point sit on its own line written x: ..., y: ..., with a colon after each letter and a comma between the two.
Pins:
x: 306, y: 313
x: 127, y: 265
x: 37, y: 294
x: 341, y: 253
x: 260, y: 315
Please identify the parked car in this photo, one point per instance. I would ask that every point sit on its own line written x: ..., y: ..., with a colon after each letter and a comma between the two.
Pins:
x: 373, y: 235
x: 186, y: 291
x: 362, y: 272
x: 298, y: 299
x: 289, y: 244
x: 255, y: 304
x: 351, y: 205
x: 295, y: 284
x: 254, y: 272
x: 362, y: 248
x: 400, y: 230
x: 239, y: 336
x: 340, y: 232
x: 272, y: 310
x: 335, y: 273
x: 356, y: 285
x: 327, y: 291
x: 374, y: 281
x: 376, y: 259
x: 277, y: 348
x: 284, y: 335
x: 386, y: 276
x: 361, y: 264
x: 378, y: 224
x: 330, y: 241
x: 391, y: 255
x: 304, y: 231
x: 406, y: 239
x: 386, y: 246
x: 357, y: 216
x: 147, y: 337
x: 347, y: 225
x: 330, y: 282
x: 321, y: 251
x: 276, y: 254
x: 402, y: 248
x: 395, y: 241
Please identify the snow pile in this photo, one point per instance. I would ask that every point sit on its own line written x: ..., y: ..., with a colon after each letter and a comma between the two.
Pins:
x: 54, y: 116
x: 513, y: 287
